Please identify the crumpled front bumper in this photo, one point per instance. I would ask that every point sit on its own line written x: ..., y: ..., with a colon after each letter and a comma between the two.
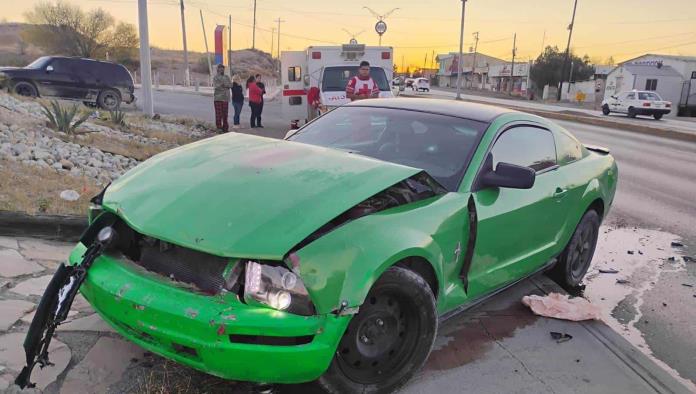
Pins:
x: 203, y: 331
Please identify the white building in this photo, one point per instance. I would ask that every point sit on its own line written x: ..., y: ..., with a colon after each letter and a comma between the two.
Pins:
x: 500, y: 76
x: 474, y: 77
x: 672, y: 77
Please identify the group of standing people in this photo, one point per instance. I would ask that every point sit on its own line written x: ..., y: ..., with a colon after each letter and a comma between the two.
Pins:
x: 223, y: 86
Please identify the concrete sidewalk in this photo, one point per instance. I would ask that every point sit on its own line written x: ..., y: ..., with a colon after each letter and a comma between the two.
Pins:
x: 499, y: 346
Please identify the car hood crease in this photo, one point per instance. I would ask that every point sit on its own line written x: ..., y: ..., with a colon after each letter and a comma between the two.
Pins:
x: 239, y: 195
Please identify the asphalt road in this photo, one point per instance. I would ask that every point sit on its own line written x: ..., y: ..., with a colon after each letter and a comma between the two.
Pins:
x: 657, y: 190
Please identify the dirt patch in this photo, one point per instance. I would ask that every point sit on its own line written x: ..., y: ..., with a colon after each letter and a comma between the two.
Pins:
x: 33, y: 190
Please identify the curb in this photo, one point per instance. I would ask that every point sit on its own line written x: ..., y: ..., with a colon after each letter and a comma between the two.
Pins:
x: 51, y: 227
x: 653, y: 375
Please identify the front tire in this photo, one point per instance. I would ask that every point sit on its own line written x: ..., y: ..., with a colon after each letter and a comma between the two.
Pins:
x: 109, y: 100
x: 388, y: 340
x: 657, y: 116
x: 605, y: 109
x: 631, y: 112
x: 26, y: 89
x: 574, y: 261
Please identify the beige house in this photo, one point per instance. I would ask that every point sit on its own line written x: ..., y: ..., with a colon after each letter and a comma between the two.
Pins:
x: 475, y: 75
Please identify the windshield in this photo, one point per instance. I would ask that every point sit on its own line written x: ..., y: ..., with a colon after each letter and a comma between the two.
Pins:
x: 649, y: 96
x: 439, y: 144
x: 336, y: 78
x: 38, y: 63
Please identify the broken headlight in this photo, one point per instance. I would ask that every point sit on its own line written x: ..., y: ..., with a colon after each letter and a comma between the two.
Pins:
x: 276, y: 287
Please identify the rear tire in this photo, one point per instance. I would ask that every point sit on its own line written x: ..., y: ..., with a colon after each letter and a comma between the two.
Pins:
x: 605, y: 109
x: 23, y: 88
x: 109, y: 100
x: 631, y: 112
x: 388, y: 340
x: 657, y: 116
x: 575, y: 260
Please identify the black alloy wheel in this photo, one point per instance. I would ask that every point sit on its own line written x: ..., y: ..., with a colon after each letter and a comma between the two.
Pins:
x: 657, y: 116
x: 575, y: 260
x: 388, y: 340
x: 109, y: 100
x: 25, y: 89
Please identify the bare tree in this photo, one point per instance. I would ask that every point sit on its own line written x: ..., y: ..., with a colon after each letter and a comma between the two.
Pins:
x: 63, y: 28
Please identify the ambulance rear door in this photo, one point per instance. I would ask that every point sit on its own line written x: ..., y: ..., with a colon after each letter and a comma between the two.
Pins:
x: 294, y: 95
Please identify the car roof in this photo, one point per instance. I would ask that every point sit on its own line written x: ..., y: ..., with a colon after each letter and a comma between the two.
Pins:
x: 83, y: 59
x: 460, y: 109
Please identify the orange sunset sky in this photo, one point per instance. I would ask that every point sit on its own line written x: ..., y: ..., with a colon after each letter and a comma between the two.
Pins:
x: 603, y: 28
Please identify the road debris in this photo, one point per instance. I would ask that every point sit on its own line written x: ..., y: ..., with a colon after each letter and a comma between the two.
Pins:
x: 688, y: 259
x: 629, y: 251
x: 561, y: 337
x: 69, y: 195
x: 687, y: 285
x: 561, y: 306
x: 623, y: 281
x: 608, y: 271
x: 676, y: 244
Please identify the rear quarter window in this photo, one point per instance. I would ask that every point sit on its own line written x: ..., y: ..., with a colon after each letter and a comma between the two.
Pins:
x: 568, y: 148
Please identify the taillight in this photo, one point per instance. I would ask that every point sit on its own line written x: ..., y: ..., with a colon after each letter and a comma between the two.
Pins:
x: 316, y: 55
x: 668, y: 105
x: 646, y: 104
x: 386, y: 55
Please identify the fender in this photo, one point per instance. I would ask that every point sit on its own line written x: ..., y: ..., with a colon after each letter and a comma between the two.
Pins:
x: 339, y: 268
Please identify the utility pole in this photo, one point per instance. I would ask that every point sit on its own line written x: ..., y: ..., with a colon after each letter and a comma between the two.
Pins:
x: 253, y: 35
x: 473, y: 66
x: 543, y: 41
x: 279, y: 21
x: 187, y: 72
x: 512, y: 69
x: 273, y: 32
x: 432, y: 59
x: 425, y: 62
x: 229, y: 46
x: 207, y: 54
x: 461, y: 45
x: 567, y: 52
x: 145, y: 67
x: 402, y: 63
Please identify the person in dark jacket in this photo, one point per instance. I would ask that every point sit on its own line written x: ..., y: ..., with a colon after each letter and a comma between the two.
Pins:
x: 237, y: 99
x: 255, y: 100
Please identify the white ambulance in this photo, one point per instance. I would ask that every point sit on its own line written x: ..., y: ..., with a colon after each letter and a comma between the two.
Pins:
x: 328, y: 69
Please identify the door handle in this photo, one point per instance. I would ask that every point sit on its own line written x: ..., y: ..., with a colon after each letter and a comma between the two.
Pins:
x: 560, y: 193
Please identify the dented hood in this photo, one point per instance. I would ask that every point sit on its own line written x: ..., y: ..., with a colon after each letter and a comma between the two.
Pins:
x: 239, y: 195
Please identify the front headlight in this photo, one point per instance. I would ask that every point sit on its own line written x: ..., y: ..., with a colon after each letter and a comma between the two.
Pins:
x: 276, y: 287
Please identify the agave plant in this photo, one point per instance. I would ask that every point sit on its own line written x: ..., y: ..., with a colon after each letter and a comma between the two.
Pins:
x: 118, y: 118
x: 63, y: 119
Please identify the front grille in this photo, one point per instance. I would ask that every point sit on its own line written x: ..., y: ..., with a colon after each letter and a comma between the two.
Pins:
x: 203, y: 271
x: 271, y: 341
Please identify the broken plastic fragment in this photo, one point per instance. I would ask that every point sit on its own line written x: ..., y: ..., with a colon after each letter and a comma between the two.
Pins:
x: 608, y: 271
x: 561, y: 337
x: 560, y: 306
x: 676, y: 244
x: 623, y: 281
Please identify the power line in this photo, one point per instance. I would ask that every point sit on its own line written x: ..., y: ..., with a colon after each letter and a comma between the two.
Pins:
x: 636, y: 40
x: 657, y: 49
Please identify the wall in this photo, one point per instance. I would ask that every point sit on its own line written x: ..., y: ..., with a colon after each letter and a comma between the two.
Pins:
x: 683, y: 67
x: 669, y: 88
x: 586, y: 88
x: 618, y: 74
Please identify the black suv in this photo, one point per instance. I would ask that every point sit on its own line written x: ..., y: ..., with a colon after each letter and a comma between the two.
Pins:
x: 90, y: 81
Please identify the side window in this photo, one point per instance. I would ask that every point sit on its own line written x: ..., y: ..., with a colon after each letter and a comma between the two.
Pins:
x: 525, y: 146
x: 59, y: 65
x: 294, y: 74
x: 631, y: 96
x: 568, y: 148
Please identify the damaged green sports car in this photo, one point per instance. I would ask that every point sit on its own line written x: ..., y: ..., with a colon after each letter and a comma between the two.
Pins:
x: 333, y: 254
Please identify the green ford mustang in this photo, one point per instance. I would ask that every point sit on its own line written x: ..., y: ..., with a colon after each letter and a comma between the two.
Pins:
x: 333, y: 254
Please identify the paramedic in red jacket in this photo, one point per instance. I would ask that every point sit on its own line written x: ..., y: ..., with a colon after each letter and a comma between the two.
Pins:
x: 362, y: 86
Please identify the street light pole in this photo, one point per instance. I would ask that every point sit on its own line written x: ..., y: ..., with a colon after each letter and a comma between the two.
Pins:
x: 461, y: 46
x: 187, y: 72
x: 145, y: 67
x: 567, y: 52
x: 253, y: 34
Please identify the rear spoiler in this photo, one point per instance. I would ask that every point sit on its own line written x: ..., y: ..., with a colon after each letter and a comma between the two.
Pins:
x: 598, y: 149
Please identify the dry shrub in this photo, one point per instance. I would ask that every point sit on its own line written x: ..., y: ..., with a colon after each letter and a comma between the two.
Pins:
x: 34, y: 190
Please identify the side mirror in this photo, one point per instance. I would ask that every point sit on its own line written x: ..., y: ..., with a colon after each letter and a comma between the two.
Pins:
x: 49, y: 68
x: 506, y: 175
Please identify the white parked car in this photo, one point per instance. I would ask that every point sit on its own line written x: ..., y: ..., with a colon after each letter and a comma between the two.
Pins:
x: 637, y: 102
x: 422, y: 84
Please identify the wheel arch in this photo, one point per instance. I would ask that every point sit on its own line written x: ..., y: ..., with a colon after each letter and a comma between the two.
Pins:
x: 15, y: 81
x: 424, y: 269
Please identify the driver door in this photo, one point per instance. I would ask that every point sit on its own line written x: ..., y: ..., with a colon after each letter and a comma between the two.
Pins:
x: 517, y: 229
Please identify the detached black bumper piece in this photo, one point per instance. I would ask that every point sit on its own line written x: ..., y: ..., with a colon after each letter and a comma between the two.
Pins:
x: 59, y: 296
